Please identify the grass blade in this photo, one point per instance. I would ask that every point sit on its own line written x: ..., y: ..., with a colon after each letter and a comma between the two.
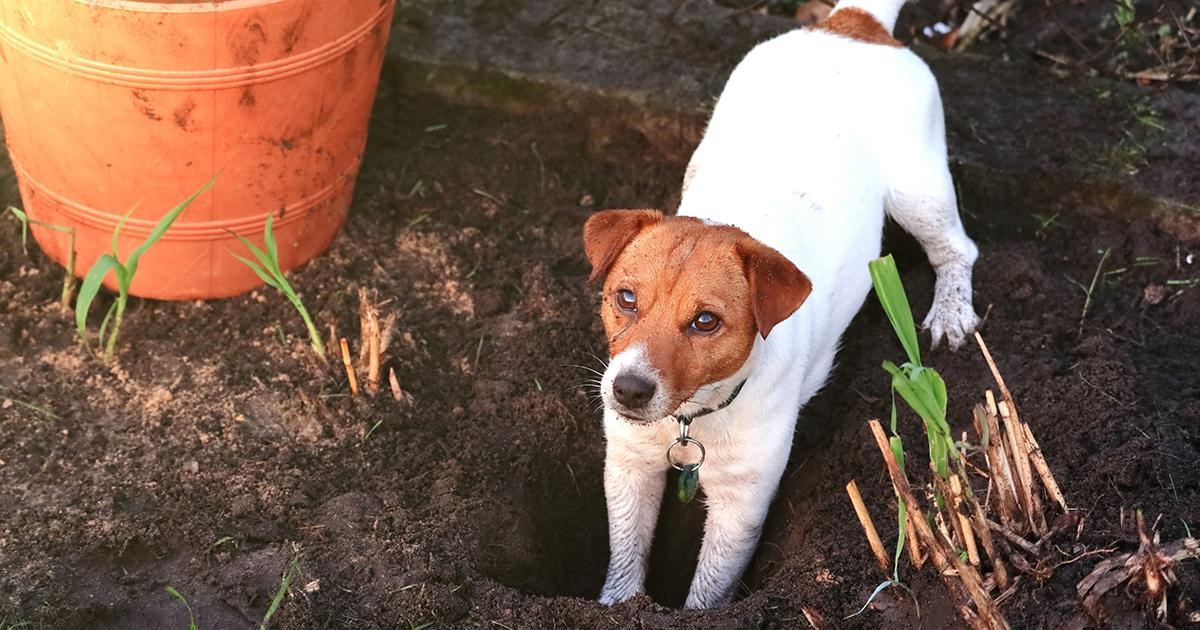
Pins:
x: 269, y: 243
x: 288, y: 575
x: 886, y: 279
x: 267, y: 269
x: 88, y: 290
x: 191, y: 617
x: 24, y: 218
x: 258, y: 271
x: 159, y: 230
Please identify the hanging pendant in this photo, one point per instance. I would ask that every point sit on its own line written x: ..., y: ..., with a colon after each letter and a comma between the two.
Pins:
x: 689, y: 474
x: 689, y: 482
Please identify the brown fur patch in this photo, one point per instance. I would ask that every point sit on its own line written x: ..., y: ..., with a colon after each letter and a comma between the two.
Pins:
x: 679, y: 267
x: 859, y: 25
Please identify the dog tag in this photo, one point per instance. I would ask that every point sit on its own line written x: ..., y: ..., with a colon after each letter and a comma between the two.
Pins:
x: 689, y: 482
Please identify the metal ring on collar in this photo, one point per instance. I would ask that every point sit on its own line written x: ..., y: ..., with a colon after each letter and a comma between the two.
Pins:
x: 685, y: 440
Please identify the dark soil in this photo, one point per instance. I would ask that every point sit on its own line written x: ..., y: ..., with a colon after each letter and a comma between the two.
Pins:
x: 218, y: 448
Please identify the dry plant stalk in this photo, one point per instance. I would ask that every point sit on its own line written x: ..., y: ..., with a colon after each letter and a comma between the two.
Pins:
x: 965, y: 530
x: 349, y: 366
x: 813, y: 617
x: 868, y: 526
x: 1152, y: 566
x: 1020, y: 461
x: 397, y: 393
x: 1043, y: 469
x: 375, y: 335
x: 969, y: 584
x: 972, y: 551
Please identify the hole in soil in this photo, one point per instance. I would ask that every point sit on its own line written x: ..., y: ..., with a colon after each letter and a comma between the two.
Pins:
x: 554, y: 539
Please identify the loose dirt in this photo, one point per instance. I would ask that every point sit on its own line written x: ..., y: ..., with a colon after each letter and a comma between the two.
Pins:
x: 218, y: 449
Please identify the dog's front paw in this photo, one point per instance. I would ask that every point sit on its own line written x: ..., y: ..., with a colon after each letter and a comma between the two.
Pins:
x: 951, y: 318
x: 616, y: 593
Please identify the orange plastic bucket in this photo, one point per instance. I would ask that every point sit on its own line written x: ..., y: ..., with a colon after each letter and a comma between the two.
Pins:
x: 112, y: 105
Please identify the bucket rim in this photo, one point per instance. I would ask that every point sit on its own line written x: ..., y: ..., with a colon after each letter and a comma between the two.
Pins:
x: 182, y: 6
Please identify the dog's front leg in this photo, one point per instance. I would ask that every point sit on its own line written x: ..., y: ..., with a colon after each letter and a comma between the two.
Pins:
x: 738, y: 497
x: 633, y: 485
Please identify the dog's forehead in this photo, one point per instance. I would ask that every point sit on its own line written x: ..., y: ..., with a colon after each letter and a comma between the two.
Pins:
x: 681, y: 248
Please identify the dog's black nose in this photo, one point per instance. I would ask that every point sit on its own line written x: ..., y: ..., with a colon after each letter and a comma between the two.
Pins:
x: 633, y: 391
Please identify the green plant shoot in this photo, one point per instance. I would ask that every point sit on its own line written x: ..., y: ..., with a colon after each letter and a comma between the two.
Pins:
x: 124, y: 272
x: 289, y: 574
x: 178, y: 596
x: 267, y: 269
x: 921, y: 387
x: 68, y: 289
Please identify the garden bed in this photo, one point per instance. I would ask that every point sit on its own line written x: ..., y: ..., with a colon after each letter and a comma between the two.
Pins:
x: 219, y: 448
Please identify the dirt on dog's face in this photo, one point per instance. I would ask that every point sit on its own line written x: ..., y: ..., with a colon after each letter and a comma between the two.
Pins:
x: 682, y: 304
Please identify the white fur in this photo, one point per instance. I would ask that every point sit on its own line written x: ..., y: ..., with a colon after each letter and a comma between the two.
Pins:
x: 815, y: 137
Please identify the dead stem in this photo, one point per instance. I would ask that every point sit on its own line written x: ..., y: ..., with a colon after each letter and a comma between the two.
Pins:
x: 985, y: 614
x: 868, y: 526
x: 349, y: 365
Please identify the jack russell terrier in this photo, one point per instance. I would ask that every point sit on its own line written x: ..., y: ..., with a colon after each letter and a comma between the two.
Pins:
x: 819, y: 133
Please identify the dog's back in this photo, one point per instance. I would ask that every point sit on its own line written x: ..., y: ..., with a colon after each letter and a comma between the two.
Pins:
x: 812, y: 127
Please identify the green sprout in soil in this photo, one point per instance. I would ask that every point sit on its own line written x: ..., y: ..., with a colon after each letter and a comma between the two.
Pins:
x: 124, y: 272
x: 267, y: 269
x: 921, y: 387
x: 191, y: 616
x: 289, y: 574
x: 68, y: 289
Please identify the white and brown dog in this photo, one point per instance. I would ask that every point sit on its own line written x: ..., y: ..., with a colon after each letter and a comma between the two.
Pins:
x: 703, y: 310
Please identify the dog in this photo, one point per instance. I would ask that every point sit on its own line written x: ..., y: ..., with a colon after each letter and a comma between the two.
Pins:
x: 727, y: 316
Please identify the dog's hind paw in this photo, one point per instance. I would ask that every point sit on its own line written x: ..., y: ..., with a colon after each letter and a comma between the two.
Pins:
x: 952, y: 320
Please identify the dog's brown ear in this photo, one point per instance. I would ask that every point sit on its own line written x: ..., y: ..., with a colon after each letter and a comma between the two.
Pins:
x: 607, y: 233
x: 777, y: 287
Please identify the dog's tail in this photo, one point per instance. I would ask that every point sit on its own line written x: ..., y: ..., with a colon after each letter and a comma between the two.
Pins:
x: 885, y: 11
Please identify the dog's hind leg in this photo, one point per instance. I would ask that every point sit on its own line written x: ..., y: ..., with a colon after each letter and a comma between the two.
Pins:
x: 921, y: 199
x: 633, y: 489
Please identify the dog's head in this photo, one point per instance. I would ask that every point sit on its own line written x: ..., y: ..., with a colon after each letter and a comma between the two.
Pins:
x: 684, y: 302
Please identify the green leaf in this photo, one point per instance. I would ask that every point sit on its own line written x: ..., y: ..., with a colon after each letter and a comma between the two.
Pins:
x: 88, y: 290
x: 191, y: 616
x: 875, y: 593
x: 689, y: 481
x: 890, y: 291
x: 901, y: 537
x: 897, y: 447
x: 290, y: 574
x: 269, y: 243
x: 259, y: 271
x: 117, y: 232
x: 112, y: 308
x: 160, y: 229
x: 24, y: 218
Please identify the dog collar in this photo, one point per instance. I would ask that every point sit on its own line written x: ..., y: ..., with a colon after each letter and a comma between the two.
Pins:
x: 686, y: 418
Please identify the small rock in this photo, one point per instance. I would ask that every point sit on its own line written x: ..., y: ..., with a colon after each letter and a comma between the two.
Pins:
x: 1154, y: 294
x: 587, y: 201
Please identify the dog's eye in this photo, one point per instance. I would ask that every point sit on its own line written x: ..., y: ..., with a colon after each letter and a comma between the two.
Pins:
x: 706, y: 322
x: 627, y: 300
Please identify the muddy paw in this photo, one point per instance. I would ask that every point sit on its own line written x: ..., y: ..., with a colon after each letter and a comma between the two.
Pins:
x: 616, y: 594
x: 951, y: 320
